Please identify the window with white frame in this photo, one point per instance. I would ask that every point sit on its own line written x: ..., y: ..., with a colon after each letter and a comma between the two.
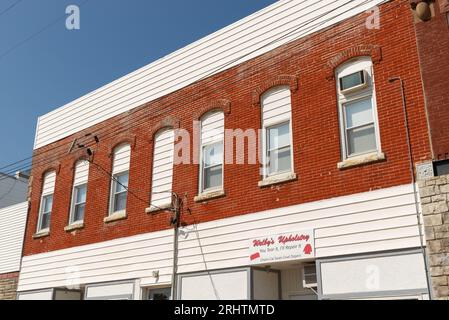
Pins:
x: 79, y: 192
x: 277, y: 132
x: 46, y: 204
x: 357, y: 108
x: 212, y: 156
x: 120, y: 177
x: 162, y: 177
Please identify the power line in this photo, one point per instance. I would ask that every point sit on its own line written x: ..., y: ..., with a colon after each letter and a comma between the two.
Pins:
x: 10, y: 7
x: 122, y: 185
x: 32, y: 36
x: 221, y: 67
x: 146, y: 118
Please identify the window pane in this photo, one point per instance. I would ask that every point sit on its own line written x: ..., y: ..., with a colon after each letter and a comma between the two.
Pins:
x: 279, y: 160
x: 361, y: 140
x: 351, y: 80
x: 79, y: 212
x: 48, y: 203
x: 160, y: 294
x: 120, y: 201
x: 359, y: 113
x: 45, y: 221
x: 213, y: 154
x: 80, y: 194
x: 212, y: 177
x: 279, y: 136
x: 122, y: 181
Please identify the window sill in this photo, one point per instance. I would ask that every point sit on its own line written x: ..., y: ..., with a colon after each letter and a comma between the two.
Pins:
x: 115, y: 217
x: 74, y: 226
x: 41, y: 234
x: 153, y: 210
x: 203, y: 197
x: 361, y: 160
x: 277, y: 179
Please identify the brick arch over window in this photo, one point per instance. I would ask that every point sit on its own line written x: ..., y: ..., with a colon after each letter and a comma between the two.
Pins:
x: 78, y: 155
x: 373, y: 51
x: 168, y: 122
x: 54, y: 166
x: 281, y: 80
x: 121, y: 139
x: 220, y: 104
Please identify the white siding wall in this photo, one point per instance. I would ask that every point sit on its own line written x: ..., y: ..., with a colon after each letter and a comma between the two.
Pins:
x: 271, y: 27
x: 367, y: 222
x: 122, y: 156
x: 162, y: 176
x: 276, y: 106
x: 12, y: 228
x: 49, y: 183
x: 81, y: 173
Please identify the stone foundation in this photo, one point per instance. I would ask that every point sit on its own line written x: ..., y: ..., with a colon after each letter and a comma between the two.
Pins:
x: 8, y: 285
x: 434, y: 193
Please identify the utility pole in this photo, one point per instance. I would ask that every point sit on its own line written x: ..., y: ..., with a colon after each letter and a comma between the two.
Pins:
x: 175, y: 221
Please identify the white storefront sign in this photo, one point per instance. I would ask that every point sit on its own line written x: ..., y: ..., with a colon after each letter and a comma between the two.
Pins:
x: 282, y: 247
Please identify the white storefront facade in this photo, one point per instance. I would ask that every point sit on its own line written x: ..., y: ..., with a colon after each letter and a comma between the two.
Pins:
x: 362, y: 246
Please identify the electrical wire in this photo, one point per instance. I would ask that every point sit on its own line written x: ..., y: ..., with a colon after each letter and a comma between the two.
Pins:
x: 10, y: 7
x: 109, y: 174
x: 2, y: 168
x: 34, y: 35
x: 136, y: 124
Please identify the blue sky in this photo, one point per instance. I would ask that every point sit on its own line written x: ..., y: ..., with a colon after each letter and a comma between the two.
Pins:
x: 40, y: 72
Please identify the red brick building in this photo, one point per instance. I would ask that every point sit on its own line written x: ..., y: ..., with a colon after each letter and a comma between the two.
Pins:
x: 316, y: 80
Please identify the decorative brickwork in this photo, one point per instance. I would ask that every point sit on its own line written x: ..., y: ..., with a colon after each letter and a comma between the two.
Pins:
x: 288, y: 80
x: 369, y: 50
x: 433, y: 47
x: 221, y: 104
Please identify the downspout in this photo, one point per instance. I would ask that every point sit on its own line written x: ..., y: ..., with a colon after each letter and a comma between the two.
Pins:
x: 412, y: 174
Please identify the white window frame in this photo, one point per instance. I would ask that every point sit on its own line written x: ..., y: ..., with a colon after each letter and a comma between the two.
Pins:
x: 202, y: 167
x: 41, y: 212
x: 266, y: 150
x: 265, y: 126
x: 348, y: 68
x: 74, y: 204
x: 114, y: 183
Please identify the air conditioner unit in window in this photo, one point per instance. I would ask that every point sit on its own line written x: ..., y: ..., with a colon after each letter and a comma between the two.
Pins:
x: 309, y: 278
x: 354, y: 82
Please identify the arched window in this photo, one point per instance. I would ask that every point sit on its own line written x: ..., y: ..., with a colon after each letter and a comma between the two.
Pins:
x: 79, y: 192
x: 357, y: 108
x: 277, y: 132
x: 211, y: 162
x: 46, y: 205
x: 120, y: 177
x: 162, y: 177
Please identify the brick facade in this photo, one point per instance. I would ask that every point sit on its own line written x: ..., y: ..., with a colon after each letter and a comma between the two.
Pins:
x: 433, y: 47
x: 8, y: 285
x: 316, y: 135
